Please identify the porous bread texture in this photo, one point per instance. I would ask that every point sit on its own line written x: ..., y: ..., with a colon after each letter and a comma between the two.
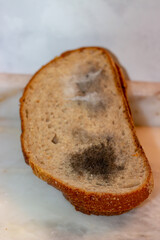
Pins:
x: 77, y: 127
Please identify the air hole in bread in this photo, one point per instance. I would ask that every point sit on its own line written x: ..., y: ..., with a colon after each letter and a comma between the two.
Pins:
x: 131, y: 184
x: 55, y: 139
x: 47, y: 119
x: 64, y: 110
x: 99, y: 184
x: 123, y: 133
x: 26, y: 113
x: 47, y: 150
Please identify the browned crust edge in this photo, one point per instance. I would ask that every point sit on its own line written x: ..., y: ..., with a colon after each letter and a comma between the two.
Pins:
x: 94, y: 202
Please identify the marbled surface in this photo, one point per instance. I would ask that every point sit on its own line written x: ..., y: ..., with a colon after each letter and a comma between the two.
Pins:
x: 31, y: 34
x: 31, y: 209
x: 144, y: 99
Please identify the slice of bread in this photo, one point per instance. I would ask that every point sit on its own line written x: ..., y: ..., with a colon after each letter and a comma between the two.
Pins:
x: 78, y: 133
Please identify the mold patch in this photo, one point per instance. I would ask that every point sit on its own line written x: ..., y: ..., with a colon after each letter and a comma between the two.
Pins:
x: 99, y: 160
x: 91, y: 98
x: 89, y: 82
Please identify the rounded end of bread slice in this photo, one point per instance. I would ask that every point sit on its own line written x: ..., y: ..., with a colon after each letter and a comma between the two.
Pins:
x: 78, y: 133
x: 98, y: 203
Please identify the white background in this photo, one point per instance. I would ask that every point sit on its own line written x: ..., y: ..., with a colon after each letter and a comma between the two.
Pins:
x: 32, y: 32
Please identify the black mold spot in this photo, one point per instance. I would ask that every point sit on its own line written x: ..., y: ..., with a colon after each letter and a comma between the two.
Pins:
x: 120, y: 167
x: 97, y: 160
x: 110, y: 141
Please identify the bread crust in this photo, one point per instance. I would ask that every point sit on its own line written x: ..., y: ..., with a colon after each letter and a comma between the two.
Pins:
x: 94, y: 202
